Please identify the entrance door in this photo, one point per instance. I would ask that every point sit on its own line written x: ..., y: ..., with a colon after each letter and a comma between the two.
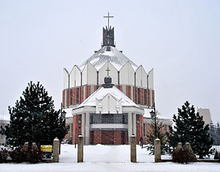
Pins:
x: 108, y: 137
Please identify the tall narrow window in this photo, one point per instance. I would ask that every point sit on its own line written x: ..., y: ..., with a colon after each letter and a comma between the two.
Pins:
x: 77, y: 95
x: 145, y: 96
x: 71, y: 97
x: 139, y: 96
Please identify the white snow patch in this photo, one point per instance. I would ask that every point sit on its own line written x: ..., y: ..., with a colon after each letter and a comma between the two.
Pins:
x: 102, y: 158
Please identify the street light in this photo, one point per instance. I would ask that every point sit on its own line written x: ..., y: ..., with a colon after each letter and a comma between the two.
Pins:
x: 154, y: 117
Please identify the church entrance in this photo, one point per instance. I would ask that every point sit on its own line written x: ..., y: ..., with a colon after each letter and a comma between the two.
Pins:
x: 109, y: 137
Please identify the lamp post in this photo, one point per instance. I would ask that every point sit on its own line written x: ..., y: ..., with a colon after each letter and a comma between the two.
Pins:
x: 154, y: 117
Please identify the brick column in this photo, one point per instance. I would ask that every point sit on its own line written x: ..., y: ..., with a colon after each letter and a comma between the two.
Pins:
x: 157, y: 150
x: 80, y: 149
x: 56, y: 146
x: 133, y: 154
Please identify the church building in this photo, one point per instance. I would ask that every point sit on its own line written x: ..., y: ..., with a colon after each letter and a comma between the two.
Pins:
x: 108, y: 98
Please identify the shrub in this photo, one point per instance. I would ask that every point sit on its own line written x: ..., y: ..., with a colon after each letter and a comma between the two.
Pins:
x: 4, y: 155
x: 30, y: 155
x: 184, y: 154
x: 216, y: 156
x: 17, y: 155
x: 33, y: 156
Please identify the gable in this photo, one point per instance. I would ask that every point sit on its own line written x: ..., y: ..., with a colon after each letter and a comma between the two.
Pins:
x: 108, y: 104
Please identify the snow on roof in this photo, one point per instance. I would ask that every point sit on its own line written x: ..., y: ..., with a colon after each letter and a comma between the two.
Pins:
x: 102, y: 92
x: 114, y: 56
x: 147, y: 114
x: 68, y: 112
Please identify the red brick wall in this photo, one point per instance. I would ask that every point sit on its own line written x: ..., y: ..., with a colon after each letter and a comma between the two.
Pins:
x: 145, y: 97
x: 140, y: 95
x: 139, y: 126
x: 87, y: 91
x: 91, y: 138
x: 109, y: 137
x: 95, y: 137
x: 96, y: 87
x: 76, y: 127
x: 81, y: 94
x: 119, y: 87
x: 74, y: 96
x: 67, y: 136
x: 134, y: 95
x: 120, y: 137
x: 148, y: 97
x: 67, y: 97
x: 149, y: 130
x: 117, y: 139
x: 63, y: 98
x: 128, y: 91
x: 153, y: 98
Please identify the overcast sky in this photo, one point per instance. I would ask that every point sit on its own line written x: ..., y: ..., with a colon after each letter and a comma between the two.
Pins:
x: 180, y: 39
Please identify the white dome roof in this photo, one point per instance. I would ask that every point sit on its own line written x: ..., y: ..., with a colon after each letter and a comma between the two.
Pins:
x: 108, y: 54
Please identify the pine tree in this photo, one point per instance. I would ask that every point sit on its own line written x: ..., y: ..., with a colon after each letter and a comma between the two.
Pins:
x: 190, y: 127
x: 34, y: 119
x: 212, y: 132
x: 217, y: 133
x: 154, y: 133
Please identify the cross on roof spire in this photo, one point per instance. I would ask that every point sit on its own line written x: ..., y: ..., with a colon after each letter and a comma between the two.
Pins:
x: 108, y: 18
x: 107, y: 80
x: 107, y: 70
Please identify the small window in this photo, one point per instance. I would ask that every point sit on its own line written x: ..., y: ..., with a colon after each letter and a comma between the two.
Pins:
x: 108, y: 118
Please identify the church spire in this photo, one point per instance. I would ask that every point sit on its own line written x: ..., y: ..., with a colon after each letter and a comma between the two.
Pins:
x: 108, y: 34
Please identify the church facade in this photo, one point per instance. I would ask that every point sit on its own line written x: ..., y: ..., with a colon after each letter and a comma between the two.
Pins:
x: 130, y: 78
x: 107, y: 97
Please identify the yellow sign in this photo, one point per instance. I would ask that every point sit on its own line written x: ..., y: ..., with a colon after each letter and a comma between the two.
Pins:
x: 46, y: 148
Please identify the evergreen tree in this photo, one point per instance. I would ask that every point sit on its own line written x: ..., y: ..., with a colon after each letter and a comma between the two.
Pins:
x: 190, y: 127
x: 217, y: 133
x: 212, y: 132
x: 34, y: 119
x: 156, y: 132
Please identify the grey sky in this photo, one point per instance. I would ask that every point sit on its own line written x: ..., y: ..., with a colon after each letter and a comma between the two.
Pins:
x: 179, y: 39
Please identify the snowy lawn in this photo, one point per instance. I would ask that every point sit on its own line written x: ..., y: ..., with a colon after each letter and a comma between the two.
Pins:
x: 108, y: 158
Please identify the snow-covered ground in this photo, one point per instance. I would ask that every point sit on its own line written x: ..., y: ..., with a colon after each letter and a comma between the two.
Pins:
x: 108, y: 158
